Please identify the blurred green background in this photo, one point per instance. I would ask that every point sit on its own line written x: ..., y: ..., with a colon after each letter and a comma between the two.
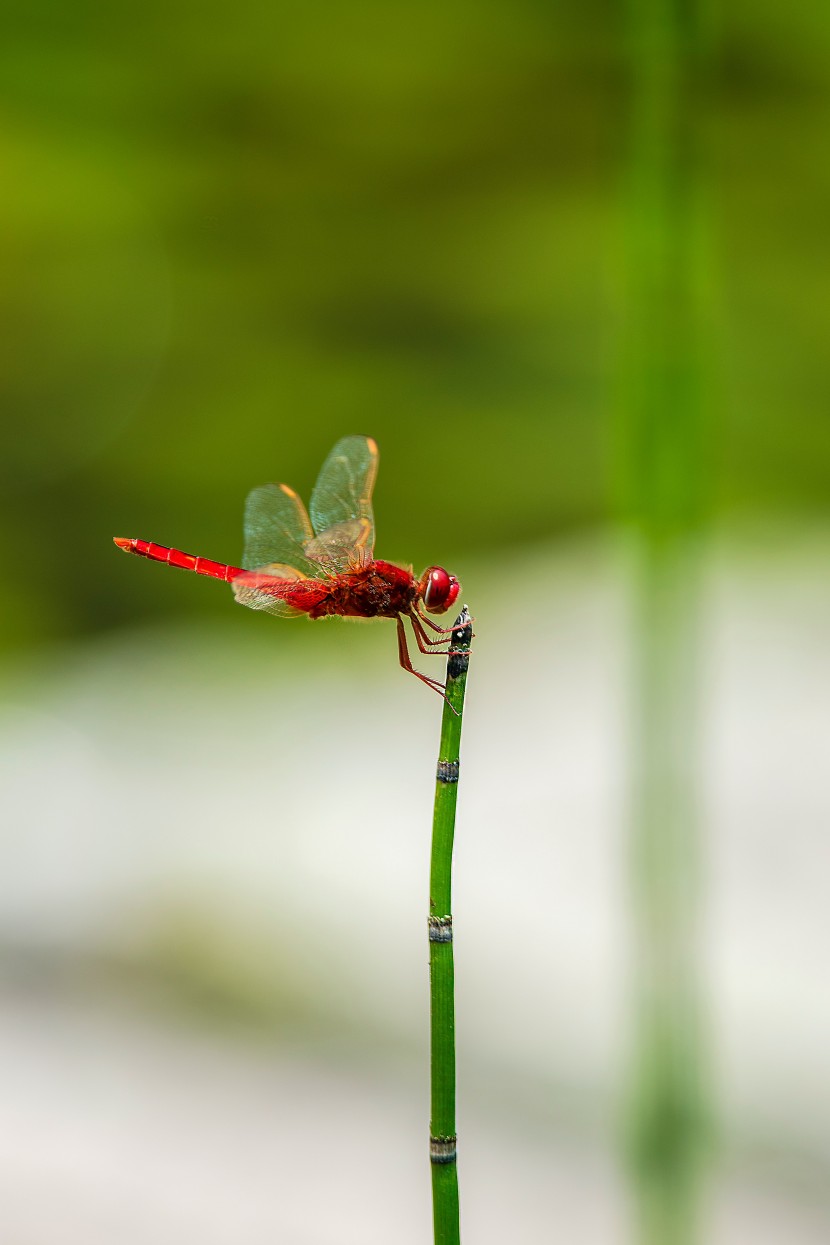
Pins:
x: 568, y: 264
x: 227, y: 239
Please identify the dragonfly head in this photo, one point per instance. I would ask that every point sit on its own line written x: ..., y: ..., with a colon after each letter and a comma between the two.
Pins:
x: 438, y: 589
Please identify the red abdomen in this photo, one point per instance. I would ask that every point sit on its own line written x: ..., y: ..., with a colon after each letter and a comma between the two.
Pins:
x: 175, y: 557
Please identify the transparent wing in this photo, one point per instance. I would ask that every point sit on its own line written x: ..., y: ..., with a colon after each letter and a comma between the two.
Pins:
x: 277, y: 529
x: 341, y: 504
x: 342, y: 546
x: 249, y: 589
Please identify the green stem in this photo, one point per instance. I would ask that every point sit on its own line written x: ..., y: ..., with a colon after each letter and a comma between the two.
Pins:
x: 442, y: 1146
x: 668, y: 1126
x: 663, y: 477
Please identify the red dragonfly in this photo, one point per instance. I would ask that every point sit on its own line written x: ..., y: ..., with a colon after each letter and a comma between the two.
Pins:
x: 324, y: 565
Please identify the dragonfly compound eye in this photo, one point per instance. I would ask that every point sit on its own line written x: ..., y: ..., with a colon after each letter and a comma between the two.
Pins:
x: 438, y: 589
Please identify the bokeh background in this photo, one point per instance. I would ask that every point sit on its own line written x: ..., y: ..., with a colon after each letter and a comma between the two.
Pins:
x: 568, y: 264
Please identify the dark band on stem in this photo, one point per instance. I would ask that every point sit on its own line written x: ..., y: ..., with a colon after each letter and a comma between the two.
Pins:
x: 458, y: 662
x: 442, y: 1150
x: 440, y: 928
x: 447, y: 771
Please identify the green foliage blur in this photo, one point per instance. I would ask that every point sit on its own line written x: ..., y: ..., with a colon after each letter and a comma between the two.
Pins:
x: 230, y: 236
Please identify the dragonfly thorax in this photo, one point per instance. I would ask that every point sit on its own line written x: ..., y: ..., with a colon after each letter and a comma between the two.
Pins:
x: 376, y: 590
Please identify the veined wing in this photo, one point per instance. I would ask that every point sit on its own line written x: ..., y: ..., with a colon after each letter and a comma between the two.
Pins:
x: 259, y: 589
x: 277, y: 529
x: 341, y: 505
x: 343, y: 546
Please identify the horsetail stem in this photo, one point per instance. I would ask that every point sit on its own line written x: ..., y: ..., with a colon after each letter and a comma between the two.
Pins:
x: 442, y: 1140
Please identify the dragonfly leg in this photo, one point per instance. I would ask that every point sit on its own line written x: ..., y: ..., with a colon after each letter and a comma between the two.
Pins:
x: 406, y: 661
x: 434, y: 625
x: 428, y: 646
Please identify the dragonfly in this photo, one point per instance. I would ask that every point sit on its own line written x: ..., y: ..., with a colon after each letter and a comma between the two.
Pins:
x: 320, y: 562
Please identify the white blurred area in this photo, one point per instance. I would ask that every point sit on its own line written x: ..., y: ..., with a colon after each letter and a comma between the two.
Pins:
x: 213, y: 1020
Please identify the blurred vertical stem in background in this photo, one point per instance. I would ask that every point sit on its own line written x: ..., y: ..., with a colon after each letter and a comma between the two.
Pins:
x: 660, y: 461
x: 442, y: 1137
